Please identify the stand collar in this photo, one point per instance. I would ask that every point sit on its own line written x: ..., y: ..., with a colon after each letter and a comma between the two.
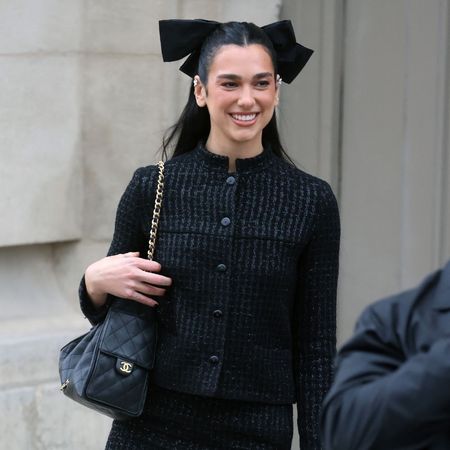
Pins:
x: 243, y: 165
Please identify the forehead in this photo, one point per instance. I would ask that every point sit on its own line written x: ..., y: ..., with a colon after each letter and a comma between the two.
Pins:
x: 235, y: 59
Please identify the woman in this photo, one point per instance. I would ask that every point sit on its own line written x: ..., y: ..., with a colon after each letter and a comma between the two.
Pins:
x: 246, y: 259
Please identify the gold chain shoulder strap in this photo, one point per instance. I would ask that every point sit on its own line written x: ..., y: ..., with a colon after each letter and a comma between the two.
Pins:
x: 156, y: 210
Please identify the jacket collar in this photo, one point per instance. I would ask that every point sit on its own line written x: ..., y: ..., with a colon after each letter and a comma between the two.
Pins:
x: 442, y: 293
x: 243, y: 165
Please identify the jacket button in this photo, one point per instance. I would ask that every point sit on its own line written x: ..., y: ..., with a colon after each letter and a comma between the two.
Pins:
x: 231, y: 180
x: 221, y: 268
x: 225, y: 221
x: 214, y: 359
x: 217, y: 313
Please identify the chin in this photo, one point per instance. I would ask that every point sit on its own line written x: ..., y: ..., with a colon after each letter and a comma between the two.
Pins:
x: 244, y: 137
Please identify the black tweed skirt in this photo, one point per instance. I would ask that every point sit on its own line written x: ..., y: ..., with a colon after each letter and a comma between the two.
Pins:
x: 179, y: 421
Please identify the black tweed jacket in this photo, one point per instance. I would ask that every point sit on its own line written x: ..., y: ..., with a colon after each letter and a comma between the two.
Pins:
x: 253, y: 256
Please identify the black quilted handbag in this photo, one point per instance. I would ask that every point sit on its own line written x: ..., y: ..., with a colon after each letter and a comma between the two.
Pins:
x: 108, y: 368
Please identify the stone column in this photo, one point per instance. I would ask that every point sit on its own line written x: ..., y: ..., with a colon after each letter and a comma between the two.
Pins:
x: 394, y: 190
x: 370, y: 114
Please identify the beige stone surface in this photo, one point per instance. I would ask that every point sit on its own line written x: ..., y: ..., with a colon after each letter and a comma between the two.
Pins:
x: 309, y: 106
x: 130, y: 104
x: 40, y: 176
x: 35, y: 415
x: 70, y: 260
x: 257, y: 11
x: 260, y: 12
x: 29, y: 286
x: 30, y: 26
x: 371, y: 205
x: 41, y: 418
x: 393, y: 150
x: 199, y: 9
x: 109, y: 27
x: 30, y: 348
x: 17, y: 418
x: 425, y: 149
x: 64, y: 424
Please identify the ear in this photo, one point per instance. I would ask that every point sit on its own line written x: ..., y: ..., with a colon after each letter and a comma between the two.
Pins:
x: 277, y: 88
x: 199, y: 92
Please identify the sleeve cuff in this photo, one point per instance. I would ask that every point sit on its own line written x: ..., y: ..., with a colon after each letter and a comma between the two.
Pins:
x: 93, y: 314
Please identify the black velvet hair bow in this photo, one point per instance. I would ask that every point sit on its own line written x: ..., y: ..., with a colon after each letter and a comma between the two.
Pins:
x: 180, y: 38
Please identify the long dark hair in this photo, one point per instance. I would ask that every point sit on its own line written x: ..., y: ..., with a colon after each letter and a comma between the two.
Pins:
x: 194, y: 123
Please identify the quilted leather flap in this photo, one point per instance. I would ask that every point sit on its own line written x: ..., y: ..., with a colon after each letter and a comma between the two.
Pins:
x: 130, y: 336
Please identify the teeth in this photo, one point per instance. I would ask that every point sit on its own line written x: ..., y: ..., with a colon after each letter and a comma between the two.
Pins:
x: 244, y: 117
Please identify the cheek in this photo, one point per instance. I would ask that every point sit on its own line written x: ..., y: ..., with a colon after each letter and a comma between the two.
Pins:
x: 267, y: 99
x: 226, y: 100
x: 220, y: 101
x: 268, y: 102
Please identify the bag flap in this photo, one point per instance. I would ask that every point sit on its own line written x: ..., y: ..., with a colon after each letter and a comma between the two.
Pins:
x: 129, y: 336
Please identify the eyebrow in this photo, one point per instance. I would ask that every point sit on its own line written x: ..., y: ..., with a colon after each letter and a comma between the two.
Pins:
x: 232, y: 76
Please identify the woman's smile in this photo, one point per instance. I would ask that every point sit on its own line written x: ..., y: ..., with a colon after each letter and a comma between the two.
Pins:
x: 244, y: 120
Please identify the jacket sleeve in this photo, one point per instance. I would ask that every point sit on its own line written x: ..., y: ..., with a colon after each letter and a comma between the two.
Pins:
x: 315, y: 317
x: 382, y: 400
x: 128, y: 237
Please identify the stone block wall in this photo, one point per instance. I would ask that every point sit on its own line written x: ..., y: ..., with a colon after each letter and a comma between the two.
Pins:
x: 84, y: 101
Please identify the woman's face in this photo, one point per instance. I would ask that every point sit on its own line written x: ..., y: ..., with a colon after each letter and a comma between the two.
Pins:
x: 241, y: 95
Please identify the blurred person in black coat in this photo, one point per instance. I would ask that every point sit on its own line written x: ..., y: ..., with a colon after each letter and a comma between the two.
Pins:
x: 392, y: 385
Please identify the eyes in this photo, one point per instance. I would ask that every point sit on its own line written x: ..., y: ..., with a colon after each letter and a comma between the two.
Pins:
x: 259, y: 84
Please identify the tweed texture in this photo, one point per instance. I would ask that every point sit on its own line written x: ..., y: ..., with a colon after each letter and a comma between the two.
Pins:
x: 178, y: 421
x: 251, y: 313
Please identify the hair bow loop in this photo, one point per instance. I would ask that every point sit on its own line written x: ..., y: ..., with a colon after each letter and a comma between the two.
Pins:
x: 181, y: 37
x: 291, y: 56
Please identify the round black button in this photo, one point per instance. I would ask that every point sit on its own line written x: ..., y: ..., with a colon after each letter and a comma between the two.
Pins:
x: 225, y: 221
x: 217, y: 313
x: 221, y: 268
x: 231, y: 180
x: 214, y: 359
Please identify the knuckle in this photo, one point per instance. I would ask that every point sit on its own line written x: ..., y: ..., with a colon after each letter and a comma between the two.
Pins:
x: 132, y: 264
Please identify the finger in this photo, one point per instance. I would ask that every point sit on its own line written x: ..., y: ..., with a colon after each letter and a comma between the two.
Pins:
x: 155, y: 279
x: 140, y: 298
x: 148, y: 265
x: 149, y: 289
x: 127, y: 255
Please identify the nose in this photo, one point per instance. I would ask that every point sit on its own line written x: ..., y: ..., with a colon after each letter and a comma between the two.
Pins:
x: 246, y: 99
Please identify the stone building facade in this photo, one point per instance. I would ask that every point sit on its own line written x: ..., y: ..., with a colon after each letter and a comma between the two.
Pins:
x: 84, y: 100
